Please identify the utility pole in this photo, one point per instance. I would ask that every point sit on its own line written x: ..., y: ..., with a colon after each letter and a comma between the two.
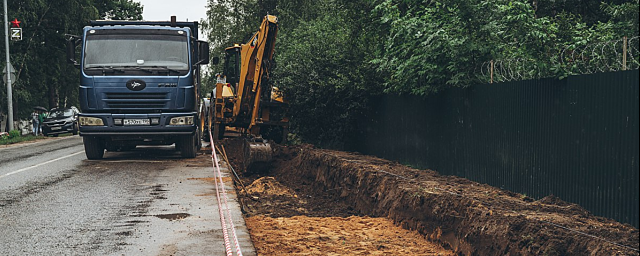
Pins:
x: 9, y: 94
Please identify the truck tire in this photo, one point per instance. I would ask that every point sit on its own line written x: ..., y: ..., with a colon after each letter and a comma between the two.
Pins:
x: 93, y: 147
x: 188, y: 146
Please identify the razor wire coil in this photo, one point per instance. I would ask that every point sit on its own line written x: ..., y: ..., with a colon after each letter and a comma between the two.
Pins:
x: 606, y: 56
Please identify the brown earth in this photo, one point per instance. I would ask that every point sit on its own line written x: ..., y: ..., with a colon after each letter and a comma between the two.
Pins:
x: 355, y: 235
x: 314, y: 201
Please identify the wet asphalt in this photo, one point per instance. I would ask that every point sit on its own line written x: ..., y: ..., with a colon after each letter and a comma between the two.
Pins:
x: 149, y: 201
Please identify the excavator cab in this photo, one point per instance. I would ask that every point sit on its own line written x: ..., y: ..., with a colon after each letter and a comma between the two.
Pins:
x: 232, y: 66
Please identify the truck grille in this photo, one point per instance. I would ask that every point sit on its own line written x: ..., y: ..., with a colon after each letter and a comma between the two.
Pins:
x: 123, y: 101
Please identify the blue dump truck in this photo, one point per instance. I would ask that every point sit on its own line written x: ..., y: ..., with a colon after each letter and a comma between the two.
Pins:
x: 139, y: 85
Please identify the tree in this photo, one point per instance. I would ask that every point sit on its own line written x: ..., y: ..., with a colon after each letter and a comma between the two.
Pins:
x: 431, y: 46
x: 333, y: 55
x: 119, y: 9
x: 323, y: 52
x: 43, y: 76
x: 324, y: 68
x: 230, y: 22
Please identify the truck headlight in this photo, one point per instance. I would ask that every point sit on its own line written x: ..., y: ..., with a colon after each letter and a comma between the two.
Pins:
x: 90, y: 121
x: 181, y: 120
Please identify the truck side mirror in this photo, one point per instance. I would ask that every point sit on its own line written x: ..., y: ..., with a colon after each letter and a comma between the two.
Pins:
x: 71, y: 50
x: 203, y: 52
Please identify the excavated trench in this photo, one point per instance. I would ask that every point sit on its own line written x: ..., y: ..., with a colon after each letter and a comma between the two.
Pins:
x: 462, y: 216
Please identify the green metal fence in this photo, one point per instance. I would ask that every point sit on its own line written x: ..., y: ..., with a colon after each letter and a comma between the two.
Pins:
x: 575, y: 138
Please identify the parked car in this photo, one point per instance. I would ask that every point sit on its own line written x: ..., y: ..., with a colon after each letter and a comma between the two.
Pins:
x: 61, y: 120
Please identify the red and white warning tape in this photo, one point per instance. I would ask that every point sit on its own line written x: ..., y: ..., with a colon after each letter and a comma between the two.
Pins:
x: 220, y: 191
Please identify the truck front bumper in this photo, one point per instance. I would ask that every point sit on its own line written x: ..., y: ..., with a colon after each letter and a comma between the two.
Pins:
x: 150, y: 125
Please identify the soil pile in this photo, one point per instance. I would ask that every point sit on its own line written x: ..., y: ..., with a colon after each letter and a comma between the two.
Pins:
x: 269, y: 186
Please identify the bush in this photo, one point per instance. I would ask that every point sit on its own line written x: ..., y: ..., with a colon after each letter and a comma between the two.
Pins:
x: 15, y: 137
x: 14, y: 134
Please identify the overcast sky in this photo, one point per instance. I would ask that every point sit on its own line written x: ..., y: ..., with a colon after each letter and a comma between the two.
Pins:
x: 159, y: 10
x: 184, y: 10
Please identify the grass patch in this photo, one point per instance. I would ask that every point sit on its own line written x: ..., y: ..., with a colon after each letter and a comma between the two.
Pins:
x: 6, y: 140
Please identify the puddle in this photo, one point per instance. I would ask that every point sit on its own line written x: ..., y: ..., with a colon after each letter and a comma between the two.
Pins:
x: 173, y: 216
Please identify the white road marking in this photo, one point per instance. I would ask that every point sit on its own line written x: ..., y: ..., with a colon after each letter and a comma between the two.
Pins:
x: 37, y: 165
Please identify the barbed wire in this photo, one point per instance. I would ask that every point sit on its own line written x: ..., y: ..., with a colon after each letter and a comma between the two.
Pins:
x: 607, y: 56
x: 602, y: 56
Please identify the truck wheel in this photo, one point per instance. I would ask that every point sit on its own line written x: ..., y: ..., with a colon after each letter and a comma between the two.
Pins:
x: 188, y: 146
x: 93, y: 147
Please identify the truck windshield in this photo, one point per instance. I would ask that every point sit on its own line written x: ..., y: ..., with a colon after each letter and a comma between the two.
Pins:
x: 168, y: 52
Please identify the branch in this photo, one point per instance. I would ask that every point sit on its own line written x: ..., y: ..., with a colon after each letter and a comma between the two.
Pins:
x: 24, y: 57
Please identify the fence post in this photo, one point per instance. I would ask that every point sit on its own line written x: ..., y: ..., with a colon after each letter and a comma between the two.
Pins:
x: 624, y: 53
x: 491, y: 72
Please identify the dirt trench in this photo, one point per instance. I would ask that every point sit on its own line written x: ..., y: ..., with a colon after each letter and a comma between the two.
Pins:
x: 291, y: 203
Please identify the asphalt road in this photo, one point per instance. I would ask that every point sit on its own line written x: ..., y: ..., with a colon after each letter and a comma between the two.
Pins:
x: 53, y: 201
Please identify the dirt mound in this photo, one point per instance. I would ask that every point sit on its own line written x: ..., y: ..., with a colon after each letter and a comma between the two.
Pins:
x: 269, y: 186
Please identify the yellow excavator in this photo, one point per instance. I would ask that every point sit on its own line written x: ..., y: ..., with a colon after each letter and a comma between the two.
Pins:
x: 243, y: 100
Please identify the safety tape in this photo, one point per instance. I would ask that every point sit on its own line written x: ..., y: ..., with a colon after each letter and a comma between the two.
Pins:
x: 220, y: 183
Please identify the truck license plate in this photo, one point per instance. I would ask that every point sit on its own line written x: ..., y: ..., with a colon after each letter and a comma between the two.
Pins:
x: 136, y: 122
x: 55, y: 128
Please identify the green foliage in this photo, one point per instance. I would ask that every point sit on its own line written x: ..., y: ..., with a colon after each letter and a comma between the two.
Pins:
x: 228, y: 22
x: 119, y: 9
x: 434, y: 45
x: 324, y: 72
x: 323, y: 52
x: 333, y: 55
x: 44, y: 78
x: 5, y: 139
x: 14, y: 134
x: 589, y: 11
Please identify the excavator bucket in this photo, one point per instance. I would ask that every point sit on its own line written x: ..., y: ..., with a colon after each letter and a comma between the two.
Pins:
x: 247, y: 154
x: 259, y: 152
